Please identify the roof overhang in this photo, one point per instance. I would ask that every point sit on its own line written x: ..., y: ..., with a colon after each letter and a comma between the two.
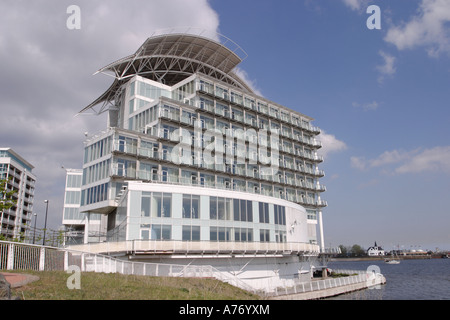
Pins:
x: 171, y: 58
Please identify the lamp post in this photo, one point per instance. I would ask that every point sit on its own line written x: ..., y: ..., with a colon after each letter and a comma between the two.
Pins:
x: 34, y: 233
x: 45, y: 224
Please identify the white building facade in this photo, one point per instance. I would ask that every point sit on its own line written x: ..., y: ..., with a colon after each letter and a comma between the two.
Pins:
x: 194, y: 165
x: 15, y: 222
x: 78, y: 226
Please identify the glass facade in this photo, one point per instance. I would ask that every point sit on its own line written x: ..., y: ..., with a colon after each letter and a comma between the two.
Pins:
x: 206, y: 133
x: 195, y: 217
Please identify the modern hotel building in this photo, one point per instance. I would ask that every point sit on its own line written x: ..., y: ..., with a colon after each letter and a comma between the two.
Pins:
x: 15, y: 222
x: 193, y: 165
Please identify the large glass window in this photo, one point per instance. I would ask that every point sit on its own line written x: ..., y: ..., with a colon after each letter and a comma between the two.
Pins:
x: 243, y: 234
x: 156, y: 204
x: 220, y: 208
x: 264, y: 235
x: 74, y: 181
x: 220, y: 234
x: 213, y: 208
x: 73, y: 197
x: 242, y: 210
x: 191, y: 233
x: 263, y: 212
x: 280, y: 236
x: 161, y: 232
x: 280, y: 215
x: 191, y: 206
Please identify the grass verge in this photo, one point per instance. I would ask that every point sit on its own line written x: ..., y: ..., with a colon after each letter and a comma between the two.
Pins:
x: 52, y: 285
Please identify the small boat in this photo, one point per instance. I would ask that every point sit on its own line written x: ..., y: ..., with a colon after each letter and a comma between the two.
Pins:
x: 391, y: 261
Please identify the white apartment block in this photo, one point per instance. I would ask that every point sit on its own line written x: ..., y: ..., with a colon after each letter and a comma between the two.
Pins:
x: 15, y: 222
x: 193, y: 165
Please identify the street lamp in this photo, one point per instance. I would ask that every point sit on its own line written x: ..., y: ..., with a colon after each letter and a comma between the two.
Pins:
x: 34, y: 233
x: 45, y: 225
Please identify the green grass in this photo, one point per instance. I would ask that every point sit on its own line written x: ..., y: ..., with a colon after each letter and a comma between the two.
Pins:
x: 52, y: 285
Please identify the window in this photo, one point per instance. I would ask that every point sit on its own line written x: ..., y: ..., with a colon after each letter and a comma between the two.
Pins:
x: 73, y: 214
x: 161, y: 232
x: 191, y: 206
x: 312, y: 215
x: 264, y: 235
x: 243, y: 234
x: 242, y: 210
x: 156, y: 204
x: 213, y: 208
x: 220, y: 208
x: 280, y: 236
x: 95, y: 194
x: 73, y: 197
x: 263, y: 212
x: 280, y: 215
x: 191, y: 233
x: 145, y: 206
x: 220, y: 234
x: 145, y: 234
x: 73, y: 181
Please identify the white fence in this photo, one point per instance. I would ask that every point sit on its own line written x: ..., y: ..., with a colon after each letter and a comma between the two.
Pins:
x: 155, y: 246
x: 19, y: 256
x: 356, y: 276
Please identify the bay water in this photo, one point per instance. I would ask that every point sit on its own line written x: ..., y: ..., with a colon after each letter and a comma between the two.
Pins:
x: 412, y: 279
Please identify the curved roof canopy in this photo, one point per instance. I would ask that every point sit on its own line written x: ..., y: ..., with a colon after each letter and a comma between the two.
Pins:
x: 171, y: 58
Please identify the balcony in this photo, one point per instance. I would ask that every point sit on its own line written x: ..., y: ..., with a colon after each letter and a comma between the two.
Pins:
x: 121, y: 146
x: 120, y: 171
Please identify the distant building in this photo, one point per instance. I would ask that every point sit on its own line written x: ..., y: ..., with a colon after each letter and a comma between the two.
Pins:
x: 375, y: 250
x: 15, y: 222
x: 79, y: 227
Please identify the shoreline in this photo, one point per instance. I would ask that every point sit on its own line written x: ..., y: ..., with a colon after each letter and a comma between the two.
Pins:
x: 428, y: 257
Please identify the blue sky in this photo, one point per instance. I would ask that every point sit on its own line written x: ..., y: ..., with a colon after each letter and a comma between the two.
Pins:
x: 383, y: 107
x: 380, y: 96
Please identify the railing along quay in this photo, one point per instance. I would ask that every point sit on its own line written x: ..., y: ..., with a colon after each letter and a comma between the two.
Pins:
x: 19, y: 256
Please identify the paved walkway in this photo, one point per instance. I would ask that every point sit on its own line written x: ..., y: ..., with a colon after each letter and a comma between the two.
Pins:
x: 19, y: 279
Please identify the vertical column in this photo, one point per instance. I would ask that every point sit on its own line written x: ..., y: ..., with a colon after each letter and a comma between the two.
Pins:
x: 10, y: 259
x: 86, y: 228
x: 42, y: 259
x: 322, y: 242
x: 66, y: 260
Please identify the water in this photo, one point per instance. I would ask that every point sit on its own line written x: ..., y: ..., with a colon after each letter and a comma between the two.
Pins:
x: 427, y: 279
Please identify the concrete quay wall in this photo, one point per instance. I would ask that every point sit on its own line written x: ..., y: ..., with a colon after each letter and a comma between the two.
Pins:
x: 330, y: 292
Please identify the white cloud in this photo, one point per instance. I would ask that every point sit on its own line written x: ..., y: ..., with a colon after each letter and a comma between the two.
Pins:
x: 388, y: 68
x: 47, y: 74
x: 429, y: 29
x: 251, y: 83
x: 369, y: 106
x: 436, y: 159
x: 359, y: 163
x: 356, y: 5
x: 330, y: 144
x: 430, y: 160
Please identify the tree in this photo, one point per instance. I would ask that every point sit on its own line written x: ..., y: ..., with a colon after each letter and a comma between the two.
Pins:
x: 6, y: 197
x: 357, y: 250
x: 343, y: 250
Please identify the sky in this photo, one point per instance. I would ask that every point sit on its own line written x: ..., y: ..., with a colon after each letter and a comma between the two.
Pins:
x: 380, y: 96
